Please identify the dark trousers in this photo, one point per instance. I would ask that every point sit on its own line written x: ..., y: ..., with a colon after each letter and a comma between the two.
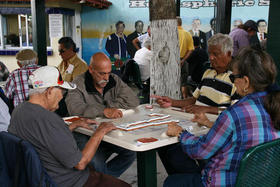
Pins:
x: 102, y: 180
x: 183, y: 180
x: 176, y: 161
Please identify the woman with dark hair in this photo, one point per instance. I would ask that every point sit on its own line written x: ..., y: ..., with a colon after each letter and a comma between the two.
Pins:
x: 242, y: 34
x: 251, y: 121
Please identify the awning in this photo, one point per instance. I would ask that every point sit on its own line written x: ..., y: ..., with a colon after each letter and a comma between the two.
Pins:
x: 100, y: 4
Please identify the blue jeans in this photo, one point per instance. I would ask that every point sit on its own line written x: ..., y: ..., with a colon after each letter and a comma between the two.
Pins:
x: 115, y: 166
x: 175, y: 161
x: 183, y: 180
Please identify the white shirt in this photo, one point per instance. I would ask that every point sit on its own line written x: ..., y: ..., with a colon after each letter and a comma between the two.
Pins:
x: 143, y: 57
x: 4, y: 116
x: 259, y: 36
x: 142, y: 38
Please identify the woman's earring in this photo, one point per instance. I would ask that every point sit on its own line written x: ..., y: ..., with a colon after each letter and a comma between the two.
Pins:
x: 245, y: 90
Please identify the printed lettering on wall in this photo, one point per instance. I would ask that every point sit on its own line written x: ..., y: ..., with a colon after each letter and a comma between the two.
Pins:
x: 201, y: 4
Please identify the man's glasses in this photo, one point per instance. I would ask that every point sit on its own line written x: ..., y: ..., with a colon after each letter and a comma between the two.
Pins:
x: 61, y: 51
x: 233, y: 77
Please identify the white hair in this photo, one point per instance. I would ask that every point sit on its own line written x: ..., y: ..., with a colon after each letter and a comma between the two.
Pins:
x: 36, y: 91
x: 147, y: 43
x: 223, y: 40
x: 28, y: 62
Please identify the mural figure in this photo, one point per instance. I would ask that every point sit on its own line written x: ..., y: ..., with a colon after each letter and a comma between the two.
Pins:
x: 141, y: 39
x: 138, y: 32
x: 236, y: 23
x: 212, y: 31
x: 195, y: 31
x: 116, y: 42
x: 259, y: 39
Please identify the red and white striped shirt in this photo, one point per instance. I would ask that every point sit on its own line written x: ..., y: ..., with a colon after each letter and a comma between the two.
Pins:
x: 17, y: 84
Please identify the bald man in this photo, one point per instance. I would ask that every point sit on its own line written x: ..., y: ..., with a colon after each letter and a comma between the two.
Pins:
x: 101, y: 94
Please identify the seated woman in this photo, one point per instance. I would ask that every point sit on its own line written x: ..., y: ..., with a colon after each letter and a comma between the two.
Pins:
x: 251, y: 121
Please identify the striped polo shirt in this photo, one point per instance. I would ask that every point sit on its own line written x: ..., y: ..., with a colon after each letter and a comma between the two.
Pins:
x: 216, y: 89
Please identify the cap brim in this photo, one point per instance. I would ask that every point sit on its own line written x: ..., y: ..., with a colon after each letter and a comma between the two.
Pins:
x: 68, y: 85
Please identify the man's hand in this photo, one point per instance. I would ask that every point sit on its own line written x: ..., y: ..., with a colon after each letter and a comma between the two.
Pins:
x: 174, y: 129
x: 195, y: 109
x: 104, y: 128
x: 112, y: 113
x: 202, y: 119
x: 83, y: 122
x: 163, y: 101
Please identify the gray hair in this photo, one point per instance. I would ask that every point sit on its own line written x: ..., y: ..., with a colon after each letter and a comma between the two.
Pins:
x: 27, y: 62
x: 223, y: 40
x: 147, y: 43
x: 36, y: 91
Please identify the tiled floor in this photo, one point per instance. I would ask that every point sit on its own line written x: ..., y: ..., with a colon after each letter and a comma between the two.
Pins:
x: 130, y: 175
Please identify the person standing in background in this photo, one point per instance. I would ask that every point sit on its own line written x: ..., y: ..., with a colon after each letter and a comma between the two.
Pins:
x: 186, y: 48
x: 242, y: 34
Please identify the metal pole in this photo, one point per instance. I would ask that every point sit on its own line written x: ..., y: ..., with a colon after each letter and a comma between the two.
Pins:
x: 178, y: 6
x: 39, y: 30
x: 224, y: 16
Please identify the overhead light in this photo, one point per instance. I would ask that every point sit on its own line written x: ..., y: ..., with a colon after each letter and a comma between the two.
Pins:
x: 82, y: 1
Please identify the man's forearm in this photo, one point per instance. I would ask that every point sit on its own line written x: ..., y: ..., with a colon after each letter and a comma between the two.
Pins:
x: 90, y: 149
x: 134, y: 42
x: 183, y: 103
x: 188, y: 53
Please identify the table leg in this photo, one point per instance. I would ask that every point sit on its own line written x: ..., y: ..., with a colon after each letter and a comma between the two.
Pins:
x: 147, y: 168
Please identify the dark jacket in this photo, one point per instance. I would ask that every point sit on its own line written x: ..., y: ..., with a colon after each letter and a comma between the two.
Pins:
x: 20, y: 165
x: 130, y: 47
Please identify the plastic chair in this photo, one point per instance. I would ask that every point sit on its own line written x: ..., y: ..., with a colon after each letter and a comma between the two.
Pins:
x: 20, y: 165
x: 260, y: 166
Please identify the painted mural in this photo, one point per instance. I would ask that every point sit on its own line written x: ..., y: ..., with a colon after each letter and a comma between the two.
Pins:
x: 97, y: 24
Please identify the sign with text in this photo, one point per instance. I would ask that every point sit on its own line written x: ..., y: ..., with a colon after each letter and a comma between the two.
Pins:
x: 55, y: 25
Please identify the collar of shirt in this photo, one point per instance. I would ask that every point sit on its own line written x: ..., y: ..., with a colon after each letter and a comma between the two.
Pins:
x: 90, y: 86
x: 261, y: 36
x: 70, y: 61
x: 180, y: 27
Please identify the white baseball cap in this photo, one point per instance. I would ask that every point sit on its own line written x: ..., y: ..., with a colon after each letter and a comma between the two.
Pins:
x: 48, y: 76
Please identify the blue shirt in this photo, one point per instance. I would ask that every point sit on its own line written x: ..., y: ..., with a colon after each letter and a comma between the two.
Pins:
x: 240, y: 127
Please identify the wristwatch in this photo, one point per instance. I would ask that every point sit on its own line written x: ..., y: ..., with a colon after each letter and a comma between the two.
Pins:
x: 179, y: 135
x: 221, y: 109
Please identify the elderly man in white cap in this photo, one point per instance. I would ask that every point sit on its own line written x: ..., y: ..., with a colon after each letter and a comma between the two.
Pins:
x: 16, y: 88
x: 35, y: 122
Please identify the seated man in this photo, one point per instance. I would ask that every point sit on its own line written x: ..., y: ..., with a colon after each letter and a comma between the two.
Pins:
x: 35, y: 122
x: 71, y: 65
x: 4, y: 113
x: 215, y: 90
x: 100, y: 94
x: 16, y: 88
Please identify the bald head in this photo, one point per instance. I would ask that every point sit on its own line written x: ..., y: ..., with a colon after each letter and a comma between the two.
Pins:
x: 99, y: 60
x: 100, y: 68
